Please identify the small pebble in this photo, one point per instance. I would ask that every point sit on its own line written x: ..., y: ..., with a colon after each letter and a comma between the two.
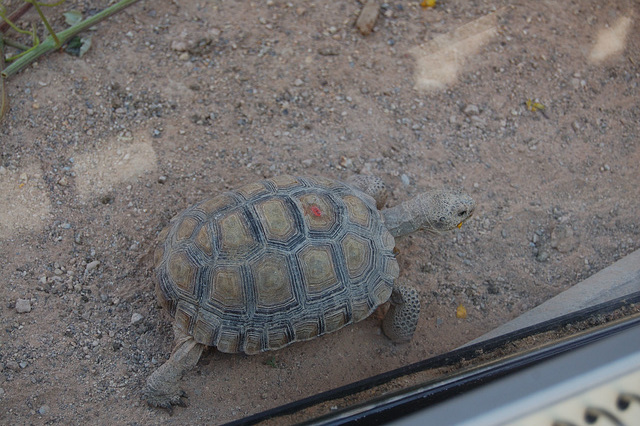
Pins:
x: 43, y: 410
x: 12, y: 365
x: 542, y: 256
x: 345, y: 162
x: 575, y: 82
x: 471, y: 110
x: 162, y: 179
x: 136, y: 318
x: 480, y: 123
x: 405, y: 179
x: 367, y: 19
x: 91, y: 266
x: 179, y: 45
x: 23, y: 306
x: 563, y: 238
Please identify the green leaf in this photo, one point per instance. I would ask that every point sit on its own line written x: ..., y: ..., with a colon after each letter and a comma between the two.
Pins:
x: 72, y: 17
x: 78, y: 46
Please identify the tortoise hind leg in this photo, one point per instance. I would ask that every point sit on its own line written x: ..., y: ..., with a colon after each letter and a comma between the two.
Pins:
x: 371, y: 185
x: 162, y: 388
x: 400, y: 322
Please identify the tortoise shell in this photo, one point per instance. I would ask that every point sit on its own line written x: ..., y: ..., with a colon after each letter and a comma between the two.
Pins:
x: 274, y: 262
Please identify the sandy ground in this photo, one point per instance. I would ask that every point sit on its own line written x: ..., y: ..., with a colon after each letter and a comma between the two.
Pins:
x: 177, y: 101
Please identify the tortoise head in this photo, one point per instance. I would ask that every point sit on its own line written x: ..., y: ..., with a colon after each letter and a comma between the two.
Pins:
x: 434, y: 211
x: 443, y: 210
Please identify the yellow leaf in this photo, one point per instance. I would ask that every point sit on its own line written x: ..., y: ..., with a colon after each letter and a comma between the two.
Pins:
x: 534, y: 106
x: 461, y: 312
x: 428, y: 3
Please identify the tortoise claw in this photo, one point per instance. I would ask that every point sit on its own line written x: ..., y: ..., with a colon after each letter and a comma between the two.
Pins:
x: 167, y: 402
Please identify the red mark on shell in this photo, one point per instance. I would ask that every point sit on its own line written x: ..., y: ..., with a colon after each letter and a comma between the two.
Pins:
x: 316, y: 211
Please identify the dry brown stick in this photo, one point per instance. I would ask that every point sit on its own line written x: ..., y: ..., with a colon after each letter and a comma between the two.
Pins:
x: 4, y: 98
x: 4, y: 27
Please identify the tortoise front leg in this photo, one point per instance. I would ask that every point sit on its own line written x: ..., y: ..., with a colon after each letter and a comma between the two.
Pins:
x: 402, y: 319
x: 372, y: 186
x: 162, y: 388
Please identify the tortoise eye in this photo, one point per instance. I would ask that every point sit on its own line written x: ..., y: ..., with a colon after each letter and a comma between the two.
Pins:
x: 462, y: 213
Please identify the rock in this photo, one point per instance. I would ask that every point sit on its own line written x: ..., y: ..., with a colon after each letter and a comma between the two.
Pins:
x: 162, y: 179
x: 91, y: 266
x: 542, y: 256
x: 12, y: 365
x: 405, y: 179
x: 480, y: 123
x: 136, y: 318
x: 43, y: 410
x: 563, y: 238
x: 345, y: 162
x: 368, y: 16
x: 471, y: 110
x: 179, y: 45
x: 328, y: 51
x: 23, y: 306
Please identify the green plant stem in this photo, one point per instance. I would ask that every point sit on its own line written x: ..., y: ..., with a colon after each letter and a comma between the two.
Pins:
x: 20, y: 46
x: 49, y: 43
x: 46, y: 24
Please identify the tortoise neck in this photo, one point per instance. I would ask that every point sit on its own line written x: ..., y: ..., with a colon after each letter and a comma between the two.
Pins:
x: 404, y: 218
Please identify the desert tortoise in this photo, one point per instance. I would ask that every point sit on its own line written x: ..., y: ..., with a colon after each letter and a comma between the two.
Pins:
x: 284, y: 260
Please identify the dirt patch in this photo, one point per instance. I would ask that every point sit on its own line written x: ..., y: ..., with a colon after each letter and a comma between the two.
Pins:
x: 440, y: 60
x: 118, y: 162
x: 611, y: 41
x: 24, y: 202
x: 178, y: 101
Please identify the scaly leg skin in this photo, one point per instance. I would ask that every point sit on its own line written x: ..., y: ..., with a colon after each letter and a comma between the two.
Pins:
x: 162, y: 388
x: 402, y: 319
x: 371, y: 185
